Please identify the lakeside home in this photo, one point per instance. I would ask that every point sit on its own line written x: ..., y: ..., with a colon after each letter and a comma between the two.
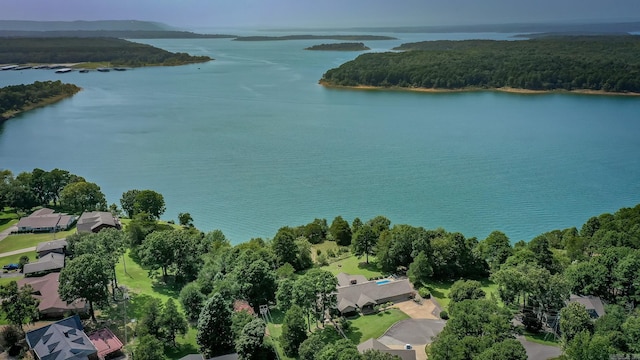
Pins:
x: 45, y: 220
x: 356, y: 293
x: 94, y: 221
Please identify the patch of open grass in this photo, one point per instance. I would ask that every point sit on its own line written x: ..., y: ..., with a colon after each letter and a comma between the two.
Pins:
x: 26, y: 240
x: 365, y: 327
x: 354, y: 266
x: 142, y: 289
x: 324, y: 247
x: 14, y: 259
x: 6, y: 280
x: 7, y: 223
x: 542, y: 338
x: 440, y: 291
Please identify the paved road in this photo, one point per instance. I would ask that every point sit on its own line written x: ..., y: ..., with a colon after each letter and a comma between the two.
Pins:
x: 19, y: 251
x: 7, y: 232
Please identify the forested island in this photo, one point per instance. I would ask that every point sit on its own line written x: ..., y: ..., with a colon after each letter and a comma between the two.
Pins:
x: 604, y: 64
x: 314, y: 37
x: 120, y: 34
x: 15, y: 99
x: 340, y: 47
x: 117, y: 52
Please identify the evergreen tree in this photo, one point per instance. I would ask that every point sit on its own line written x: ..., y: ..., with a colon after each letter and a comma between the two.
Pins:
x: 173, y: 322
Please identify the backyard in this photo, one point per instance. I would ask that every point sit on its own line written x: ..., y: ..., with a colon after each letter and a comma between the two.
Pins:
x: 27, y: 240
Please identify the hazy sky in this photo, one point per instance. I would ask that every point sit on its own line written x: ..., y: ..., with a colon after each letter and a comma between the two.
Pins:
x: 322, y: 13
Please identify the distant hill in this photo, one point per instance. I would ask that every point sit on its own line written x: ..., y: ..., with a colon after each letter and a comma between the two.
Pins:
x: 110, y: 25
x: 120, y: 34
x: 591, y: 28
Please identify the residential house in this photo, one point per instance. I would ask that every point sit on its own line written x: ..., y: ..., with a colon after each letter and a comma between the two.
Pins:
x: 95, y: 221
x: 48, y: 263
x: 105, y: 342
x: 45, y: 220
x: 373, y: 344
x: 54, y: 246
x: 45, y: 289
x: 593, y: 304
x: 355, y: 293
x: 62, y: 340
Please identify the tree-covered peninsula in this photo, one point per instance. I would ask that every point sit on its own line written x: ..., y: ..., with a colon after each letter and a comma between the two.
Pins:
x: 15, y: 99
x: 340, y: 47
x: 608, y: 64
x: 118, y: 52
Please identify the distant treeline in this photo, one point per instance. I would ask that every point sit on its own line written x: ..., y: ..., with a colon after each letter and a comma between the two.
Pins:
x: 16, y: 98
x: 75, y: 50
x: 314, y: 37
x: 120, y: 34
x: 340, y: 47
x: 601, y: 63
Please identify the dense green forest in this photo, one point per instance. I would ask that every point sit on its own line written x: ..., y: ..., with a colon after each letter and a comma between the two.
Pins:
x: 16, y: 98
x: 74, y: 50
x: 314, y: 37
x: 340, y: 47
x: 601, y: 63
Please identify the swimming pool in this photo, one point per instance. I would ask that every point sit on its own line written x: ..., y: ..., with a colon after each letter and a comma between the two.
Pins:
x: 382, y: 282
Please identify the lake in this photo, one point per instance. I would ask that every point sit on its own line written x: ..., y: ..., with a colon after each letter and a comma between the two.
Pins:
x: 250, y: 142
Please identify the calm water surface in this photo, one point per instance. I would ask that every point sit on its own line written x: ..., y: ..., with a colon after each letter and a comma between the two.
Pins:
x: 249, y: 143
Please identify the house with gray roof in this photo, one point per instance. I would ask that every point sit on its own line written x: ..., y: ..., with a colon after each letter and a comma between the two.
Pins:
x: 365, y: 295
x: 94, y: 221
x: 45, y: 220
x: 593, y: 304
x: 54, y: 246
x: 373, y: 344
x: 62, y: 340
x: 48, y: 263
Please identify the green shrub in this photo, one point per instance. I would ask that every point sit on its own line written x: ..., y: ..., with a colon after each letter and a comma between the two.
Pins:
x: 444, y: 315
x: 331, y: 253
x: 424, y: 293
x: 318, y: 252
x: 322, y: 260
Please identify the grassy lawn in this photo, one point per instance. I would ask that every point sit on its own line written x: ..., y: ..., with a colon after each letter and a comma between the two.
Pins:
x: 275, y: 330
x: 141, y: 290
x: 354, y: 266
x: 440, y: 291
x: 14, y: 259
x: 324, y: 247
x: 6, y: 280
x: 7, y: 223
x: 21, y: 241
x: 542, y: 338
x: 365, y: 327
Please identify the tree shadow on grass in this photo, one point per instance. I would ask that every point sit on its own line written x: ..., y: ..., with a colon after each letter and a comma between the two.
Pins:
x: 167, y: 286
x: 180, y: 350
x: 371, y: 266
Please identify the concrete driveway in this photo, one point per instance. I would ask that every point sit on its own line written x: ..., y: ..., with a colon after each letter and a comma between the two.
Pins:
x: 537, y: 351
x: 412, y: 331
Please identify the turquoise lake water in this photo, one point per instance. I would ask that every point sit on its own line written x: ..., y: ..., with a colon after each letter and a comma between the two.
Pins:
x: 249, y: 143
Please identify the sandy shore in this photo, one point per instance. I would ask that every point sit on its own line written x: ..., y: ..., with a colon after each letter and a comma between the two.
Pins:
x: 502, y: 89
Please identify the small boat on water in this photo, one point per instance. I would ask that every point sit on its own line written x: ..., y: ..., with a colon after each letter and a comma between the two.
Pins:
x: 119, y: 69
x: 8, y: 67
x: 64, y: 70
x: 25, y: 67
x: 42, y: 67
x: 101, y: 69
x: 84, y: 71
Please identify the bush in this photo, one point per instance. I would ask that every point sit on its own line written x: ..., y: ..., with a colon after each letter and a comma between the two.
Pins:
x: 424, y: 293
x: 531, y: 322
x: 343, y: 249
x: 322, y: 260
x: 318, y: 252
x: 331, y: 253
x: 10, y: 336
x: 444, y: 315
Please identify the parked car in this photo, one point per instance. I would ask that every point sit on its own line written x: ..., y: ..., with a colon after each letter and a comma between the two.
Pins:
x: 11, y: 267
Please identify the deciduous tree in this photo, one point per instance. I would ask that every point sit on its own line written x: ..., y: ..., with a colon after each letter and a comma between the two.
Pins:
x: 340, y: 231
x: 420, y: 270
x: 364, y: 242
x: 214, y: 327
x: 173, y: 322
x: 18, y: 305
x: 149, y: 348
x: 128, y: 202
x: 150, y: 202
x: 85, y: 277
x: 82, y: 196
x: 294, y: 331
x: 192, y: 300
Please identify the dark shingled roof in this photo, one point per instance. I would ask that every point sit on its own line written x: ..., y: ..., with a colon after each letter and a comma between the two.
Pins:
x: 89, y: 221
x: 49, y: 262
x: 370, y: 293
x: 62, y: 340
x: 373, y: 344
x: 52, y: 245
x: 593, y: 304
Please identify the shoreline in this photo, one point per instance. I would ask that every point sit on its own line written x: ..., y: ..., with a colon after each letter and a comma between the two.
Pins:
x: 48, y: 101
x: 467, y: 90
